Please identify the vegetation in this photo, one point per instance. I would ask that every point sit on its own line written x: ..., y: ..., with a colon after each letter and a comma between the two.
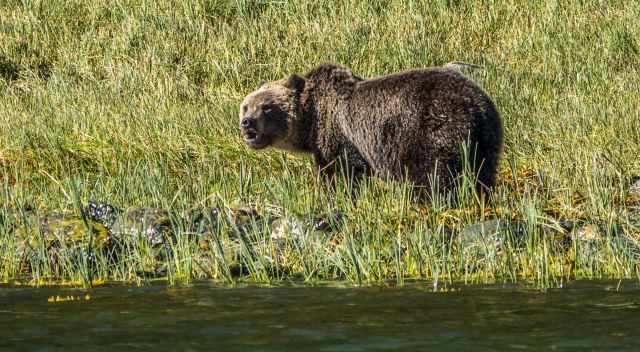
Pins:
x: 135, y: 103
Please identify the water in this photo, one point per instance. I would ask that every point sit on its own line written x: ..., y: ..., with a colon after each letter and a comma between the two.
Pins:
x: 583, y: 316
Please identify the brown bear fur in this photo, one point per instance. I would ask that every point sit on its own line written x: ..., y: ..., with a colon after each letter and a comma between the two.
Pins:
x: 409, y: 125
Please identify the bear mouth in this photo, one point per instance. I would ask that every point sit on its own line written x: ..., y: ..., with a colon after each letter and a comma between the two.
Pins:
x: 255, y: 140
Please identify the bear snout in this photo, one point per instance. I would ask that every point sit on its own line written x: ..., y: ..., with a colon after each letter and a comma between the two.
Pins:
x: 248, y: 123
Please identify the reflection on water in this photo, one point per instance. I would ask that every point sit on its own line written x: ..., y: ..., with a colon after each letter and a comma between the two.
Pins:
x: 593, y: 315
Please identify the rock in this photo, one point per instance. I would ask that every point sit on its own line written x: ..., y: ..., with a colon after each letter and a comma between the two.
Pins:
x: 492, y: 230
x: 204, y: 220
x: 596, y: 232
x: 59, y: 237
x: 566, y: 225
x: 489, y: 237
x: 243, y: 217
x: 204, y: 224
x: 154, y: 225
x: 301, y: 233
x: 586, y: 240
x: 60, y: 229
x: 152, y: 273
x: 290, y: 227
x: 587, y: 233
x: 104, y: 213
x: 295, y: 227
x: 238, y: 220
x: 328, y: 223
x: 593, y: 239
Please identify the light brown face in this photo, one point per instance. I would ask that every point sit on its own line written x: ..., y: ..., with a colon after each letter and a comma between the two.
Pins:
x: 264, y: 116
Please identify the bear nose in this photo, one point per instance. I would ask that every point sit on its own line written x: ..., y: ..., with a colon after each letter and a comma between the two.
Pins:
x: 248, y: 122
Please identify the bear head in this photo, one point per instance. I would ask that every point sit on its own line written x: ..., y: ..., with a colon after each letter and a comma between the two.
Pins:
x: 269, y: 116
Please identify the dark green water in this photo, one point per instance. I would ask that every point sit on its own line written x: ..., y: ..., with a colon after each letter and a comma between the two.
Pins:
x: 583, y: 316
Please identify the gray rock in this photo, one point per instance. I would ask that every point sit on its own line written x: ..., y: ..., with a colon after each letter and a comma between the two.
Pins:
x: 328, y: 223
x: 104, y: 213
x: 151, y: 224
x: 295, y: 227
x: 290, y: 227
x: 489, y: 237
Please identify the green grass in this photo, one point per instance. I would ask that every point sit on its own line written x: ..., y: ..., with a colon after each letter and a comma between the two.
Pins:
x: 135, y: 103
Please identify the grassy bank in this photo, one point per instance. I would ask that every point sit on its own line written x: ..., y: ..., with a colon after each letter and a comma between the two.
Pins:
x: 135, y: 103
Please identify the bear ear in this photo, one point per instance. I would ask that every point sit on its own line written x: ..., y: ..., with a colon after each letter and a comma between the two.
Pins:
x: 342, y: 75
x: 262, y: 83
x: 344, y: 80
x: 295, y: 83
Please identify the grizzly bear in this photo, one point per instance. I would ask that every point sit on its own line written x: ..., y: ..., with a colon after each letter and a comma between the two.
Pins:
x: 410, y: 125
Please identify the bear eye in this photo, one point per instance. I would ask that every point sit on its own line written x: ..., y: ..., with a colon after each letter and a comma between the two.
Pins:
x: 267, y: 108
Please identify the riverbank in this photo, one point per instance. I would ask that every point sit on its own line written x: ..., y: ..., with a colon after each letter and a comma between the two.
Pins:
x: 136, y: 106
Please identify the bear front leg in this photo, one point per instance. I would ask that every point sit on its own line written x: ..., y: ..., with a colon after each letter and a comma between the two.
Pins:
x: 340, y: 170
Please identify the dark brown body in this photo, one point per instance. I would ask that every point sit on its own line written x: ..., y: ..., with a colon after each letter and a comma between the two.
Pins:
x: 409, y: 125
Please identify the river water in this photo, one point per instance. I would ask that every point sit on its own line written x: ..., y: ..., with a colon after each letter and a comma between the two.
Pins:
x: 582, y: 316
